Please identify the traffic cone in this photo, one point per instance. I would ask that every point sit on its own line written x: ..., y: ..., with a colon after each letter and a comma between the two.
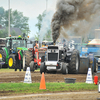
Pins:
x: 42, y: 83
x: 27, y: 78
x: 89, y: 76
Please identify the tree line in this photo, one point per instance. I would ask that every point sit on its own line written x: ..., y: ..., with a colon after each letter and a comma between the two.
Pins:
x: 17, y: 20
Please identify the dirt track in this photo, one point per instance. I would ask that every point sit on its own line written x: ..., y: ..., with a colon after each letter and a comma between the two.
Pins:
x: 36, y: 77
x: 87, y: 95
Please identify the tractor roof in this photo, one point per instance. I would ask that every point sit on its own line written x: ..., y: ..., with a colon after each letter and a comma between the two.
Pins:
x: 16, y: 37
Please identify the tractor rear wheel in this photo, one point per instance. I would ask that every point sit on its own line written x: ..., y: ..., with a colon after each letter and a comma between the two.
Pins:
x: 74, y: 63
x: 42, y: 68
x: 64, y: 68
x: 11, y: 61
x: 27, y: 58
x: 3, y: 56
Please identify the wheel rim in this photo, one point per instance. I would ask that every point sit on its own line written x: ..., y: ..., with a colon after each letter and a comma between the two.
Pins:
x: 1, y: 56
x: 77, y: 62
x: 10, y: 62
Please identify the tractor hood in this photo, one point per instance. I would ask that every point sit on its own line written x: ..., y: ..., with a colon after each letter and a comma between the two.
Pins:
x: 22, y: 48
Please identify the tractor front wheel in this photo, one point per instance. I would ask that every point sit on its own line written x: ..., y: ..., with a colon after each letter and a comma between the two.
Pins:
x: 11, y: 61
x: 32, y: 66
x: 64, y: 68
x: 42, y: 68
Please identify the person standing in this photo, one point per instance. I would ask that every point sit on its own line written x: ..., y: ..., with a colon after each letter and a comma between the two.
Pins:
x: 18, y: 61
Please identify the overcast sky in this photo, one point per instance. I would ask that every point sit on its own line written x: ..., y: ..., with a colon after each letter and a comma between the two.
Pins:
x: 30, y: 8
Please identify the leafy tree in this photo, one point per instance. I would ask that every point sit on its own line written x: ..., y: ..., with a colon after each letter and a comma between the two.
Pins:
x: 1, y: 14
x: 20, y: 21
x: 4, y: 33
x: 48, y: 35
x: 16, y: 20
x: 37, y: 36
x: 39, y: 24
x: 5, y: 18
x: 40, y: 18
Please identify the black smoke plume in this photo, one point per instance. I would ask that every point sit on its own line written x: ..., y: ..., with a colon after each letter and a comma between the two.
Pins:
x: 70, y: 12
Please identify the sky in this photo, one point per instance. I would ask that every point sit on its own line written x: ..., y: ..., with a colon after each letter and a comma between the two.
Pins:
x: 31, y: 9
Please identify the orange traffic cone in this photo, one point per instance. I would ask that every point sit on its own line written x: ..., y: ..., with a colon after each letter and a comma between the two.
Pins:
x: 42, y: 84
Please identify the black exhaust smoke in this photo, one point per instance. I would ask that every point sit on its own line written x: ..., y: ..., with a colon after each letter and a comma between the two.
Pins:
x: 54, y: 42
x: 69, y: 12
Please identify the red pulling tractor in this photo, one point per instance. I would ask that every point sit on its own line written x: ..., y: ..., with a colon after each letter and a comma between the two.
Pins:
x: 37, y: 53
x: 33, y: 47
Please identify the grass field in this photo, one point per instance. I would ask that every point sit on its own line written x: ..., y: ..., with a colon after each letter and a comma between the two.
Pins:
x: 19, y: 88
x: 6, y: 70
x: 12, y: 70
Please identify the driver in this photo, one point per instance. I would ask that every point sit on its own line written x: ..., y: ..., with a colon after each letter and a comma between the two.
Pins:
x: 15, y: 45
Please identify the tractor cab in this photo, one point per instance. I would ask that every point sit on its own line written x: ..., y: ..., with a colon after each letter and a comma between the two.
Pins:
x: 14, y: 51
x: 13, y: 44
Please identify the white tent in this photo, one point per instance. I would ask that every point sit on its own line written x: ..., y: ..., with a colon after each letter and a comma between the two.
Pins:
x: 94, y: 42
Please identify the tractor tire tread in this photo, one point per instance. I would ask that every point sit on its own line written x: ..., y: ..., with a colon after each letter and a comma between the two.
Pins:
x: 3, y: 58
x: 72, y: 64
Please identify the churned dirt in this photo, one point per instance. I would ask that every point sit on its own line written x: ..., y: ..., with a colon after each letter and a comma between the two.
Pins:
x: 36, y: 77
x: 87, y: 95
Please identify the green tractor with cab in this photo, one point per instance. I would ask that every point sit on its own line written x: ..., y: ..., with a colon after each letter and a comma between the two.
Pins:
x: 15, y: 50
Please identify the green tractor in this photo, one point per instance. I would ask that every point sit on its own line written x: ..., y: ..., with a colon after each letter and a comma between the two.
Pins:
x: 16, y: 46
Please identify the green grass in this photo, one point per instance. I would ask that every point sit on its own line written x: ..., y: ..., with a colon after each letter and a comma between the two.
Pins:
x: 11, y: 88
x: 6, y: 70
